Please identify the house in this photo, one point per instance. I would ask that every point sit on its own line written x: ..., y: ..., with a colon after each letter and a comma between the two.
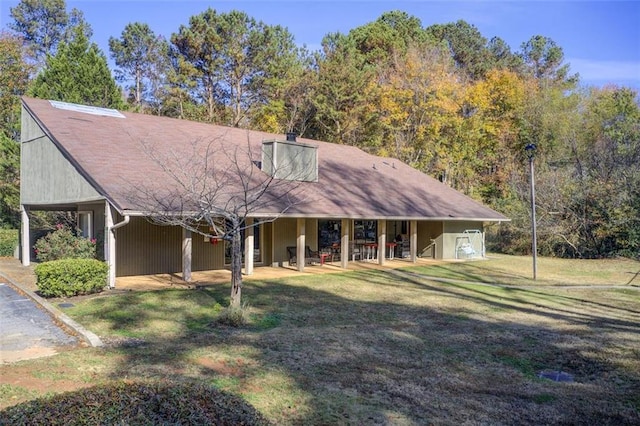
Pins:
x: 89, y: 160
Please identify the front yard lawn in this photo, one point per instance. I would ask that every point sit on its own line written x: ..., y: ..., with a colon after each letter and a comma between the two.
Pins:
x: 378, y: 347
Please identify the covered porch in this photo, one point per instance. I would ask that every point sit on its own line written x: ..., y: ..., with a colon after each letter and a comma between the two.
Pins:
x: 262, y: 273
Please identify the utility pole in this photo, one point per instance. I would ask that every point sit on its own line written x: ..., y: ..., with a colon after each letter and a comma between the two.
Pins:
x: 530, y: 149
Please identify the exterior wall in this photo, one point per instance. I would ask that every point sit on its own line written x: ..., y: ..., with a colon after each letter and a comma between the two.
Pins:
x: 205, y: 255
x: 98, y: 224
x: 290, y: 160
x: 428, y: 231
x: 454, y: 235
x: 285, y: 233
x: 311, y: 226
x: 46, y: 176
x: 144, y: 248
x: 267, y: 243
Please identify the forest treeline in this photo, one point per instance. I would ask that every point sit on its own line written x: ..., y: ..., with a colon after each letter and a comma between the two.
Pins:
x: 443, y: 98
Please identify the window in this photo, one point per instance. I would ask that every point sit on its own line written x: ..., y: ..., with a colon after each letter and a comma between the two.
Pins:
x: 329, y: 232
x: 365, y: 231
x: 85, y: 224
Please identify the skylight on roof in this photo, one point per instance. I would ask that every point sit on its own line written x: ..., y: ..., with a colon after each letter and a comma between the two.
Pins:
x: 86, y: 109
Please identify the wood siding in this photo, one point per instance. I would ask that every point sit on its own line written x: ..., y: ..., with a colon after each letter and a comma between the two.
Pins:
x: 285, y: 233
x: 46, y: 176
x: 144, y: 248
x: 206, y: 255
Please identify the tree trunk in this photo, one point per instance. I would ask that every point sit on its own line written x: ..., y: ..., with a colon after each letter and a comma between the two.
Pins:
x: 236, y: 267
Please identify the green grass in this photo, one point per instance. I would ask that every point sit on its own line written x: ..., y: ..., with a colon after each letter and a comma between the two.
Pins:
x: 15, y: 393
x: 382, y: 347
x: 517, y: 270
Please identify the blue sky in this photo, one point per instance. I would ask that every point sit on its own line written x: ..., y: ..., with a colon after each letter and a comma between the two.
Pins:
x: 600, y: 39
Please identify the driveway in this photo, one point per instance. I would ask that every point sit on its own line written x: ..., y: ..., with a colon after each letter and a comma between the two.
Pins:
x: 28, y: 331
x: 31, y: 327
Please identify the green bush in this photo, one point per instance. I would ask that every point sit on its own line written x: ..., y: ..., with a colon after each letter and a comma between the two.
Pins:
x: 71, y: 277
x: 8, y: 241
x: 63, y: 243
x: 136, y: 403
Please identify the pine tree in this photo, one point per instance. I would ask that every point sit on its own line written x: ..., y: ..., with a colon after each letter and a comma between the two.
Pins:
x: 142, y: 58
x: 78, y: 73
x: 14, y: 77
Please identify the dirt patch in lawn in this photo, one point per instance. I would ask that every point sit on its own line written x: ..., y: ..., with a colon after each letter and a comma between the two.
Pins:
x: 25, y: 377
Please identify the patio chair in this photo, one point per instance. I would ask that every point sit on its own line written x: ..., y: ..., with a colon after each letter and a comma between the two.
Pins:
x: 357, y: 251
x: 310, y: 257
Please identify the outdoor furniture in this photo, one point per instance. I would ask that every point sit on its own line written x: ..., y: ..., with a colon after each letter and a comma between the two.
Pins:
x: 324, y: 255
x: 392, y: 249
x: 372, y: 251
x: 335, y: 248
x: 357, y: 251
x: 310, y: 257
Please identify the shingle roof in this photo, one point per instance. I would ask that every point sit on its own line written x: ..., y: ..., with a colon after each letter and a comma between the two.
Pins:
x: 115, y: 155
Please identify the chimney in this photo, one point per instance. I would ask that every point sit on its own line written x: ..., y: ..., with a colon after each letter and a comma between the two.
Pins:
x: 291, y: 136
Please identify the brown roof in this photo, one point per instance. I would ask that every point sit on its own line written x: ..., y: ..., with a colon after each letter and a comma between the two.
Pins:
x: 116, y: 155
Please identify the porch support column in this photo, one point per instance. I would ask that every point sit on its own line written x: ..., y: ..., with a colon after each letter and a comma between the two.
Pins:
x: 344, y: 244
x: 413, y: 240
x: 26, y: 236
x: 187, y: 242
x: 300, y: 244
x: 484, y: 250
x: 110, y: 245
x: 248, y: 246
x: 382, y: 241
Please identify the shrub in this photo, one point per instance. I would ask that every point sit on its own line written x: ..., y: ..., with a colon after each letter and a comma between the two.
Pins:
x: 136, y: 403
x: 234, y: 316
x: 63, y: 243
x: 8, y: 241
x: 71, y: 277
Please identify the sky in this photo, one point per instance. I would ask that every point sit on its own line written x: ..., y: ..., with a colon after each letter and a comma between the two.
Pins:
x: 600, y: 39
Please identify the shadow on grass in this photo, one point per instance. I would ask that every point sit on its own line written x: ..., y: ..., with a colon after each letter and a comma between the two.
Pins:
x: 373, y: 348
x: 423, y: 273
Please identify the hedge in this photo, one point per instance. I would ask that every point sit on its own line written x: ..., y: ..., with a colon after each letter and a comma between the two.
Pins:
x: 8, y: 242
x: 71, y: 277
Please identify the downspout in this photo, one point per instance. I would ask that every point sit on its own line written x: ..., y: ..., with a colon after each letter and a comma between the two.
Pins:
x: 112, y: 248
x: 121, y: 224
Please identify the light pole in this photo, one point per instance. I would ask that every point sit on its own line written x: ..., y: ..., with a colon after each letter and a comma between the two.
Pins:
x: 530, y: 149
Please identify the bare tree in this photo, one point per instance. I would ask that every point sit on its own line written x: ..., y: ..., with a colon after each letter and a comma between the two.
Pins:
x: 211, y: 188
